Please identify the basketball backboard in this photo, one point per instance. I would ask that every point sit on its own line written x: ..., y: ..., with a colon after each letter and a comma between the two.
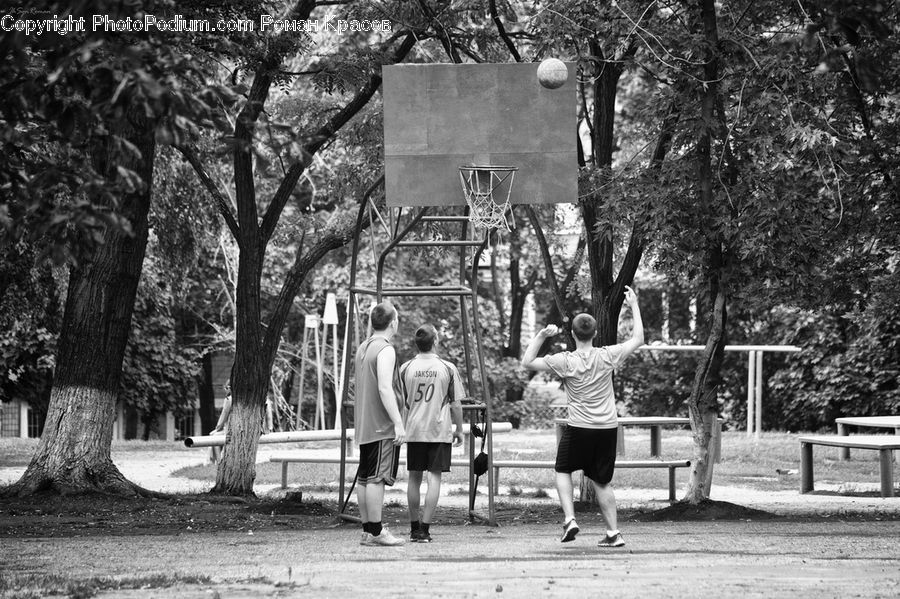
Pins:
x: 438, y: 117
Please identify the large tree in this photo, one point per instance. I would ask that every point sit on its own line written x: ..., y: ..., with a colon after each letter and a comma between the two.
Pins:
x: 766, y: 200
x: 271, y: 61
x: 81, y: 118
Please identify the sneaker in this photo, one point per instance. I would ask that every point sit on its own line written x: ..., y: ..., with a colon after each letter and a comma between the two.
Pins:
x: 366, y: 539
x: 386, y: 539
x: 569, y: 531
x: 612, y: 541
x: 420, y: 536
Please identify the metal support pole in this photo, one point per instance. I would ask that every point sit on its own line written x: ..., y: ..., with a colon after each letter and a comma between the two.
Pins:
x: 759, y: 392
x: 751, y: 392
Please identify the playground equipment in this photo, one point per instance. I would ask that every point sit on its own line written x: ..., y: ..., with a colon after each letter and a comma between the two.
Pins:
x: 311, y: 333
x: 315, y: 331
x: 447, y: 125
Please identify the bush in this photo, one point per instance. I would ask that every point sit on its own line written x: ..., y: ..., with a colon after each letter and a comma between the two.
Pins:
x: 843, y: 370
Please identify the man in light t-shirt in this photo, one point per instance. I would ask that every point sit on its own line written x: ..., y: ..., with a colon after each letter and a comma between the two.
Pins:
x: 432, y: 390
x: 588, y: 441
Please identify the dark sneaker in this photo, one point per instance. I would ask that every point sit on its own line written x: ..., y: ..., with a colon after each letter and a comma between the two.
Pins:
x: 420, y: 536
x: 569, y: 531
x: 612, y: 541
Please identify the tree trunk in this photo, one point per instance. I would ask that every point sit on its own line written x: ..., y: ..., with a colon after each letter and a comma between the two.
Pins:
x: 600, y: 242
x: 703, y: 401
x: 73, y: 455
x: 255, y: 346
x: 237, y: 467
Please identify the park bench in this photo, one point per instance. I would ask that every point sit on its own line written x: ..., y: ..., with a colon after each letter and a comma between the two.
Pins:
x: 865, y: 422
x: 295, y: 458
x: 884, y: 444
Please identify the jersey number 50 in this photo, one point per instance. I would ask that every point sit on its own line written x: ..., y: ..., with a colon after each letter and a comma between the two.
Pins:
x: 424, y: 391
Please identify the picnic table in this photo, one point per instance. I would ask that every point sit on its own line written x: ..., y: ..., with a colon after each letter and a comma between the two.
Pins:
x: 866, y: 422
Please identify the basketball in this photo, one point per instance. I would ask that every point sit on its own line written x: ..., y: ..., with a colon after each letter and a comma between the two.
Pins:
x: 552, y: 73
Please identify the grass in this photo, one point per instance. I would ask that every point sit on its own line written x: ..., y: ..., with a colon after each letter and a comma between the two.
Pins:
x: 770, y: 464
x: 43, y: 585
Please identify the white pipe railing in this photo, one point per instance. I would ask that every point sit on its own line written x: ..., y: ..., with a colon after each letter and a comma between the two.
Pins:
x: 318, y: 435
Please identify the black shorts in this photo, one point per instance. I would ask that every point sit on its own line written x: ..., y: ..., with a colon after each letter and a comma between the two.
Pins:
x: 378, y: 462
x: 431, y: 457
x: 592, y: 450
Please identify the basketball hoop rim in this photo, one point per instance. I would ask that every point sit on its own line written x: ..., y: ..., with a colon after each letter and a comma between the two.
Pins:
x: 487, y: 167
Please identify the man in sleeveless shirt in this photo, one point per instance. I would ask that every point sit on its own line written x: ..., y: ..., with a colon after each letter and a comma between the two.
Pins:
x: 378, y: 423
x: 588, y: 441
x: 432, y: 390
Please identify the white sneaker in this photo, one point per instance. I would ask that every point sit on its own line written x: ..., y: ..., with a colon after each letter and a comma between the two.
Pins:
x: 366, y: 539
x: 386, y: 539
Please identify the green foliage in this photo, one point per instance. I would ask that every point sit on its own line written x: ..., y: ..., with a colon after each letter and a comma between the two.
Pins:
x: 29, y: 319
x: 534, y: 410
x: 159, y: 371
x: 67, y: 99
x: 846, y: 368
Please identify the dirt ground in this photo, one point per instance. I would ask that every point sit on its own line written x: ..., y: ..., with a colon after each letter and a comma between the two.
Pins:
x: 284, y: 545
x: 281, y: 546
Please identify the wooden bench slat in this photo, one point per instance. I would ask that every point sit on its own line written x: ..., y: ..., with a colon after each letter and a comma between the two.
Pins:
x: 497, y: 463
x: 854, y: 441
x: 870, y: 421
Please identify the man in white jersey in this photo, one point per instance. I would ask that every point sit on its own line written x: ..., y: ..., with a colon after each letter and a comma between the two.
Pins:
x: 432, y: 390
x: 588, y: 441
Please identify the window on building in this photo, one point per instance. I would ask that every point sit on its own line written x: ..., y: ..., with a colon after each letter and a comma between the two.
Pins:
x: 9, y: 419
x: 35, y: 422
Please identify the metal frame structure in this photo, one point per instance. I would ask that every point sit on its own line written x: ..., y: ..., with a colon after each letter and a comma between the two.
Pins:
x: 398, y: 231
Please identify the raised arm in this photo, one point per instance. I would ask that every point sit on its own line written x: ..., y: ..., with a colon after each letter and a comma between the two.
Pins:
x: 386, y: 361
x: 637, y: 331
x: 529, y: 358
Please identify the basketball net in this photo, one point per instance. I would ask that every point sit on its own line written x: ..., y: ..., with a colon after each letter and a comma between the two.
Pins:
x: 487, y: 189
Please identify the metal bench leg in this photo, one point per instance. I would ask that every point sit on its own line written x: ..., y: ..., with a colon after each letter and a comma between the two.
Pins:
x: 496, y: 480
x: 845, y: 451
x: 885, y: 457
x: 671, y: 484
x: 806, y: 467
x: 620, y: 440
x: 655, y: 442
x: 284, y: 466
